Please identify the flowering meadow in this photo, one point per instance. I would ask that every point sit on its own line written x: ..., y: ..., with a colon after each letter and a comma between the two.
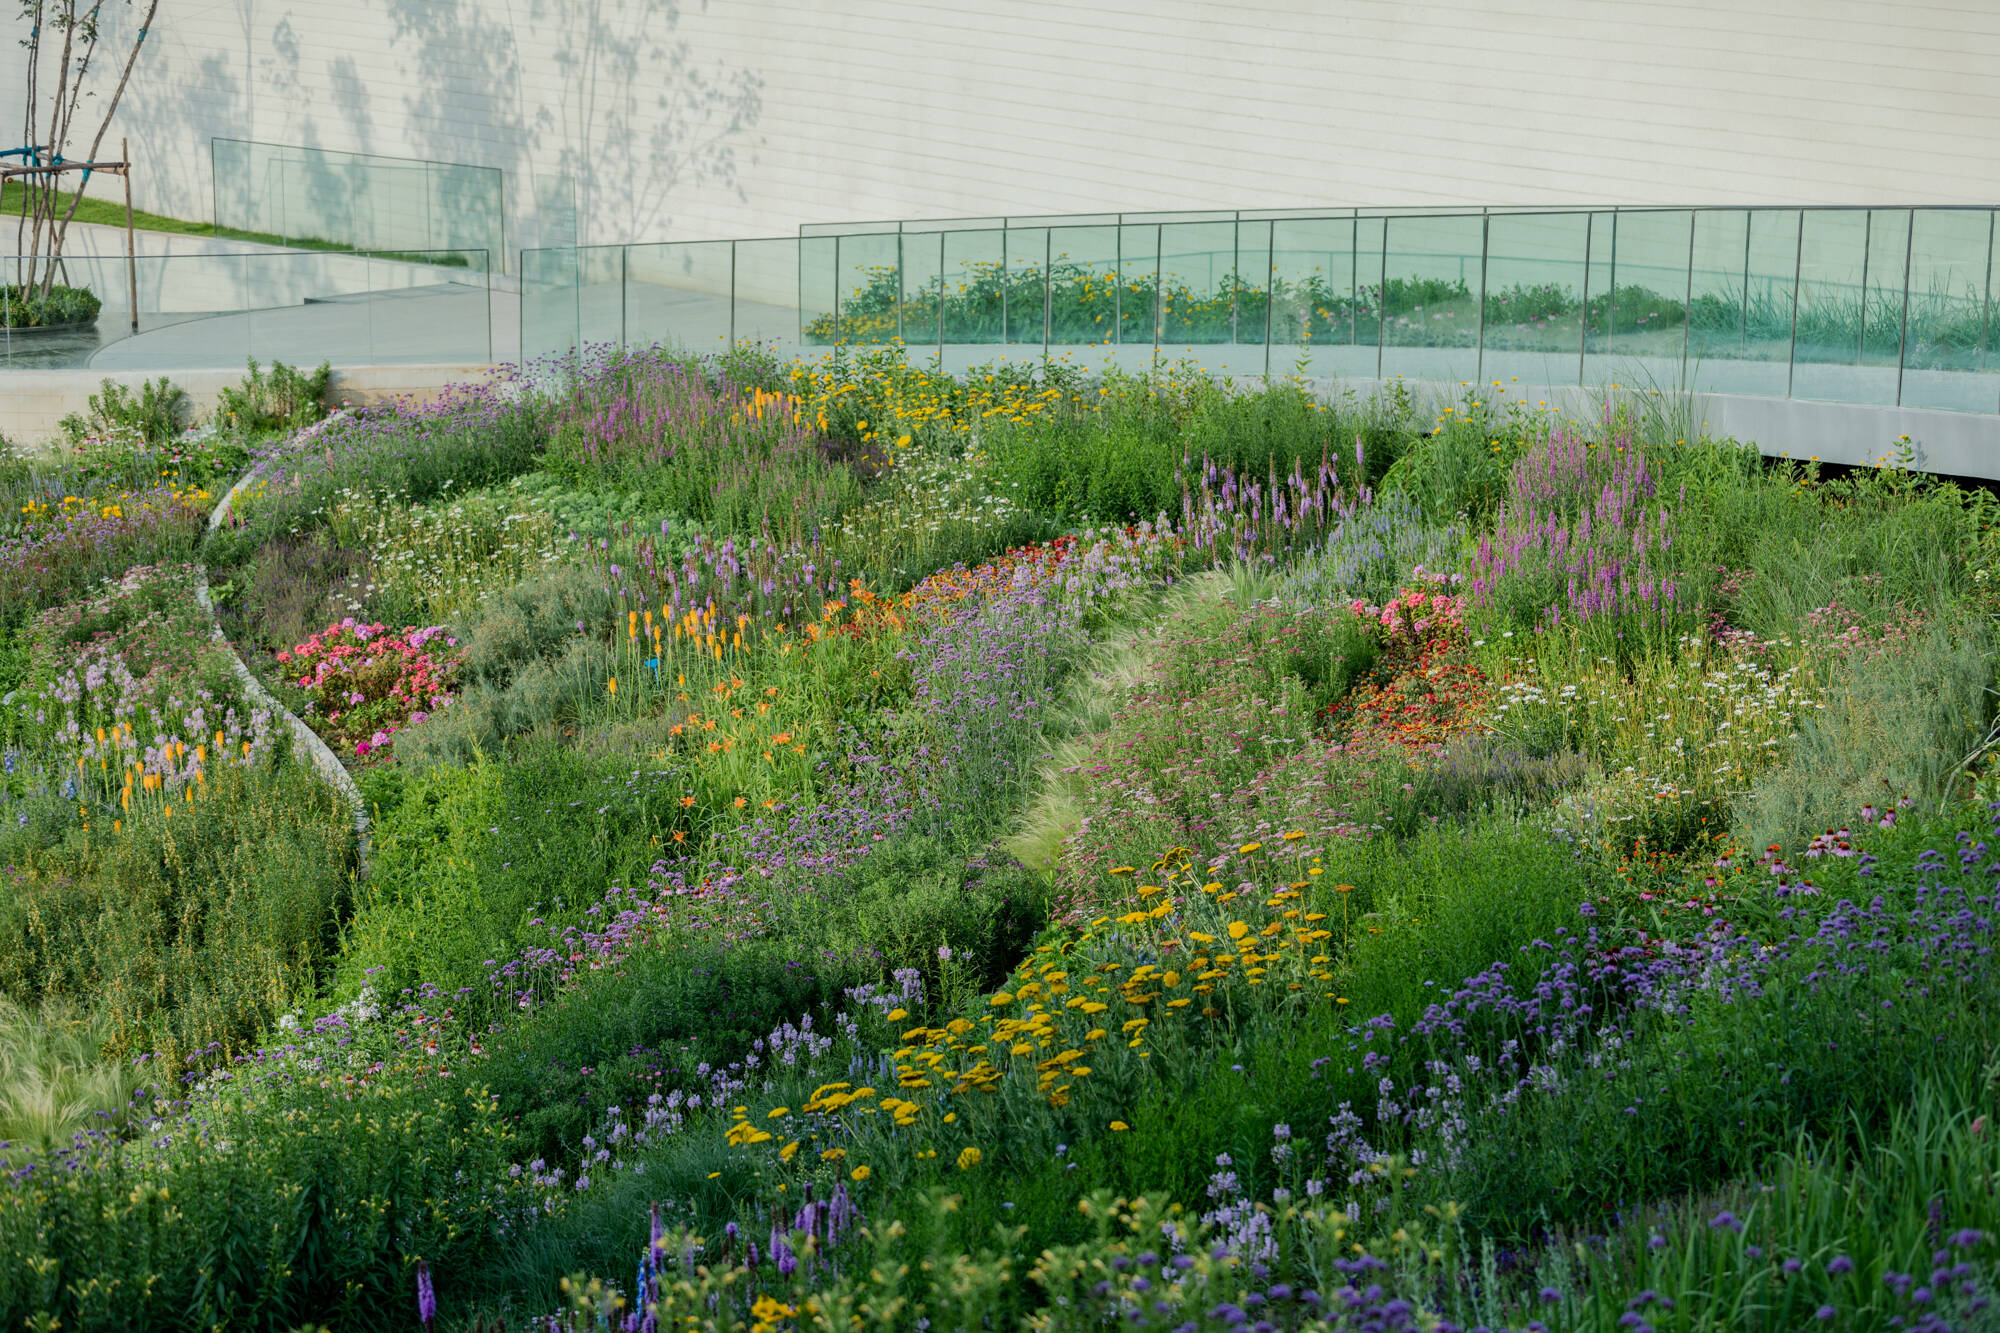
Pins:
x: 856, y: 847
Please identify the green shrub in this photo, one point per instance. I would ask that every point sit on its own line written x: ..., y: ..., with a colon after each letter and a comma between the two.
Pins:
x: 643, y: 1029
x: 23, y: 308
x: 186, y: 932
x: 309, y: 1194
x: 283, y: 399
x: 156, y: 414
x: 474, y: 865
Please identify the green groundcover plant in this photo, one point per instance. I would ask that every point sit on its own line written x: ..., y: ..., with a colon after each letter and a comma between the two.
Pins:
x: 854, y: 846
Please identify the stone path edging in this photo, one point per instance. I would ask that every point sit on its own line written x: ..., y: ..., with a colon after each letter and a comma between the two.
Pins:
x: 323, y: 758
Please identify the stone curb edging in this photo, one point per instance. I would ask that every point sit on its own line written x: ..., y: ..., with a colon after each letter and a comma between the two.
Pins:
x: 322, y: 756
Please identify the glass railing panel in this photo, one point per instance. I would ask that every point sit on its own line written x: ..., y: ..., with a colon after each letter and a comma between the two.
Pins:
x: 346, y: 307
x: 923, y: 289
x: 1086, y: 298
x: 467, y: 210
x: 1948, y: 360
x: 1847, y: 311
x: 422, y: 307
x: 765, y: 309
x: 319, y: 198
x: 600, y: 300
x: 1636, y: 309
x: 975, y: 297
x: 549, y: 324
x: 1026, y: 250
x: 1324, y: 275
x: 1740, y: 308
x: 1252, y: 314
x: 1139, y: 312
x: 1430, y: 297
x: 870, y: 285
x: 677, y: 294
x: 1533, y: 333
x: 819, y: 290
x: 388, y: 205
x: 1889, y: 235
x: 551, y: 289
x: 173, y: 292
x: 1198, y: 282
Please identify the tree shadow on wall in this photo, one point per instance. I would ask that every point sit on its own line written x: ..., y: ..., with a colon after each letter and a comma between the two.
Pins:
x: 635, y: 110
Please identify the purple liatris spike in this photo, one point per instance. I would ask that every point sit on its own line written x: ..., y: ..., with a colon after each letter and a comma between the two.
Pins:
x: 659, y: 1236
x: 427, y: 1305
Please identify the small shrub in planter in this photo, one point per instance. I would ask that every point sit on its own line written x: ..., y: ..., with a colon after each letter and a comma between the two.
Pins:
x: 62, y: 307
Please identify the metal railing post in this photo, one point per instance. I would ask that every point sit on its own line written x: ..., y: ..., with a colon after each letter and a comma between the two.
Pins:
x: 1798, y: 278
x: 1048, y: 288
x: 1235, y: 273
x: 1583, y: 317
x: 1382, y: 302
x: 1743, y: 340
x: 1687, y: 302
x: 1903, y: 327
x: 1611, y: 290
x: 1006, y: 279
x: 1485, y: 245
x: 1986, y: 314
x: 1354, y: 282
x: 1867, y: 245
x: 1270, y: 289
x: 1159, y: 288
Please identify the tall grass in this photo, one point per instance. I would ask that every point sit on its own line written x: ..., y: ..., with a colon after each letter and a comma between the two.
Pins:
x: 55, y: 1081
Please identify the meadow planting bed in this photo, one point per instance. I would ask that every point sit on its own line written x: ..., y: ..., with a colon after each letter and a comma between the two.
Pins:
x: 855, y: 847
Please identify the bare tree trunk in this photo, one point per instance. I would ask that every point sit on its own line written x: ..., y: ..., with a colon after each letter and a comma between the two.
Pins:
x: 60, y: 231
x: 33, y: 12
x: 44, y: 223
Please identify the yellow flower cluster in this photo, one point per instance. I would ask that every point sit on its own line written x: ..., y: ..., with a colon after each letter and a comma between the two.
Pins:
x: 1060, y: 1018
x: 894, y: 404
x: 114, y: 504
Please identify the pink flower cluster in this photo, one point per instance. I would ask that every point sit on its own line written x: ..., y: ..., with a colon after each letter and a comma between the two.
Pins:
x: 1415, y: 614
x: 366, y: 684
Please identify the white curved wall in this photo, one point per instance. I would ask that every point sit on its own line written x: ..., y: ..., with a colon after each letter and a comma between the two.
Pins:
x: 684, y: 119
